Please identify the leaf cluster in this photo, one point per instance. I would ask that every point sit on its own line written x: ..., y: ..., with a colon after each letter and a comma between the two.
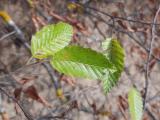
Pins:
x: 52, y: 42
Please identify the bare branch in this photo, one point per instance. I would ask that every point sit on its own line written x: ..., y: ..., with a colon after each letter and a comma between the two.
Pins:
x: 7, y: 35
x: 150, y: 114
x: 149, y: 57
x: 28, y: 116
x: 116, y: 17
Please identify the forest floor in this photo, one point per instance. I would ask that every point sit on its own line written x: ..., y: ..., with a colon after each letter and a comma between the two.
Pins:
x: 91, y: 31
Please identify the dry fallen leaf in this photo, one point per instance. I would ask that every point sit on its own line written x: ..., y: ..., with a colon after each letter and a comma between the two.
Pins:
x: 32, y: 93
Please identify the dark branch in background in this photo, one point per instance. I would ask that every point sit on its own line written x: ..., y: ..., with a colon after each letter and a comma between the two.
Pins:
x: 52, y: 75
x: 22, y: 38
x: 149, y: 57
x: 150, y: 114
x: 156, y: 96
x: 28, y: 116
x: 116, y: 17
x: 7, y: 35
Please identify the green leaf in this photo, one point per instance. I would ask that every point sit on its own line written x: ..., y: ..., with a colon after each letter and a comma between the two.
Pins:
x: 135, y: 104
x: 115, y: 54
x: 110, y: 79
x: 80, y: 62
x: 51, y: 39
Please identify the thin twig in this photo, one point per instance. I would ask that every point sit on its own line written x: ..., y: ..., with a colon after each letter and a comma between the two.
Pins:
x: 150, y: 114
x: 28, y: 116
x: 156, y: 96
x: 7, y: 35
x: 149, y: 57
x: 116, y: 17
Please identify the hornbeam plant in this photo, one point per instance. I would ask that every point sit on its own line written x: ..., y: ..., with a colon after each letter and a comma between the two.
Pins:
x: 52, y: 42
